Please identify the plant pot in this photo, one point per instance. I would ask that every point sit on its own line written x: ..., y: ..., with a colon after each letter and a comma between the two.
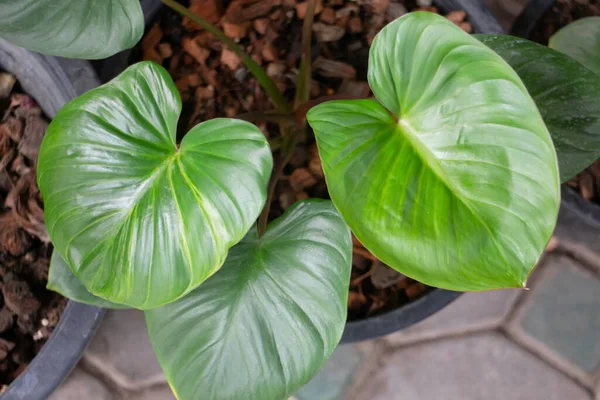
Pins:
x: 434, y: 300
x: 530, y: 17
x: 52, y: 82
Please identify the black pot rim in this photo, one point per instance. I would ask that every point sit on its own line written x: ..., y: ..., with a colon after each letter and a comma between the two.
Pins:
x: 530, y: 17
x: 52, y: 82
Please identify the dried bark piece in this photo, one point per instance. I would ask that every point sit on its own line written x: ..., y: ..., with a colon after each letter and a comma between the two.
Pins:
x: 149, y: 43
x: 456, y: 16
x: 314, y: 165
x: 302, y: 7
x: 12, y: 128
x: 384, y: 276
x: 247, y: 10
x: 379, y: 6
x: 269, y: 52
x: 5, y: 348
x: 356, y: 301
x: 300, y: 179
x: 165, y: 50
x: 22, y: 106
x: 328, y: 33
x: 236, y: 31
x: 13, y: 240
x: 33, y: 133
x: 209, y: 10
x: 18, y: 298
x: 6, y: 319
x: 230, y: 59
x: 334, y: 69
x: 328, y: 16
x: 355, y: 25
x: 7, y: 82
x: 261, y: 25
x: 196, y: 50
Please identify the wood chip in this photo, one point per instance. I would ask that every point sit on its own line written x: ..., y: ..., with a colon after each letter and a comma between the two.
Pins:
x: 356, y: 301
x: 300, y: 179
x: 328, y: 16
x: 13, y: 240
x: 7, y: 81
x: 209, y: 10
x: 18, y: 297
x: 149, y: 43
x: 269, y: 52
x: 384, y: 276
x: 355, y: 25
x: 261, y: 25
x: 334, y: 69
x: 328, y: 33
x: 314, y: 165
x: 456, y: 16
x: 236, y: 31
x: 302, y: 7
x: 165, y: 50
x: 230, y: 59
x: 275, y: 69
x: 34, y: 131
x: 195, y: 49
x: 246, y: 10
x: 380, y: 6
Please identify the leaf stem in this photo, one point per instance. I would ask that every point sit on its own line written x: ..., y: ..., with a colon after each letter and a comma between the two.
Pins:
x: 304, y: 74
x: 266, y: 82
x: 287, y: 149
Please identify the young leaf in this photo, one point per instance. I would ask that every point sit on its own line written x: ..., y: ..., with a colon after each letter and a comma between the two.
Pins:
x: 581, y: 41
x: 72, y: 28
x: 140, y: 221
x: 453, y: 180
x: 267, y: 321
x: 566, y: 93
x: 62, y: 280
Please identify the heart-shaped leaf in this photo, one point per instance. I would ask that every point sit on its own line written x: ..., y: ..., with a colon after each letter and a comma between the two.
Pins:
x: 267, y: 321
x: 581, y: 41
x: 140, y: 221
x: 62, y: 280
x: 566, y: 93
x: 90, y: 29
x: 453, y: 180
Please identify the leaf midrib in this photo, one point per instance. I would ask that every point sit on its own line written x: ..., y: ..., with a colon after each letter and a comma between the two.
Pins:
x: 432, y: 162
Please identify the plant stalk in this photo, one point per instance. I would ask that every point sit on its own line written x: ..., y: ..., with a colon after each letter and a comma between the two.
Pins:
x: 266, y: 82
x: 304, y: 74
x: 287, y: 150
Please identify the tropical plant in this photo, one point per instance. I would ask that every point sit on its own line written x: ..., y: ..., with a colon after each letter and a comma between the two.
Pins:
x: 450, y: 176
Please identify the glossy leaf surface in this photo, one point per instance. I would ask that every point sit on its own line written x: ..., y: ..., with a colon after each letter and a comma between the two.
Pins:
x: 452, y: 179
x: 91, y: 29
x: 268, y: 320
x: 140, y: 220
x: 580, y: 40
x: 566, y: 93
x: 62, y: 280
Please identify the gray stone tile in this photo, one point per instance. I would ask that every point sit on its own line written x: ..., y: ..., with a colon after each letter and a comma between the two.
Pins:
x: 121, y: 351
x: 470, y: 312
x: 482, y: 366
x: 338, y: 374
x: 80, y: 385
x: 562, y: 314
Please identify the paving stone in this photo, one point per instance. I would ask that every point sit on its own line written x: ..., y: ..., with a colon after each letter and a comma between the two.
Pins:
x: 482, y: 366
x: 122, y: 351
x: 80, y: 385
x: 561, y: 317
x: 338, y: 373
x: 162, y: 392
x: 470, y: 312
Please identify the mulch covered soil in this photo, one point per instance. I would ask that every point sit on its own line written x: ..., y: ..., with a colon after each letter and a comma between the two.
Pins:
x: 214, y: 83
x: 562, y: 13
x: 28, y: 312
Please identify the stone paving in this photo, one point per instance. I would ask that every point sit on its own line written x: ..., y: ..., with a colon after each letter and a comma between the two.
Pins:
x: 543, y: 343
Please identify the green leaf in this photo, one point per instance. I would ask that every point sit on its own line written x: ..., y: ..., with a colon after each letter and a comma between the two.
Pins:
x: 581, y: 41
x: 452, y: 181
x: 91, y: 29
x: 62, y: 280
x: 566, y: 93
x: 264, y: 324
x: 140, y: 221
